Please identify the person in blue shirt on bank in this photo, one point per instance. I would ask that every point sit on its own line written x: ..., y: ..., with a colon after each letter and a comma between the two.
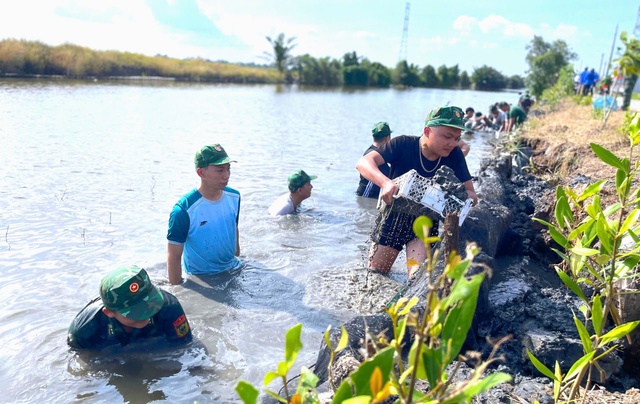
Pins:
x: 591, y: 81
x: 203, y: 235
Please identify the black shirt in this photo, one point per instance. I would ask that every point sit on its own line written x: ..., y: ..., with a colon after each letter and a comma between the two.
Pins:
x: 403, y: 153
x: 368, y: 188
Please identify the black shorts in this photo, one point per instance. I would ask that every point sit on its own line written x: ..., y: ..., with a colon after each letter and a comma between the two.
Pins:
x: 397, y: 230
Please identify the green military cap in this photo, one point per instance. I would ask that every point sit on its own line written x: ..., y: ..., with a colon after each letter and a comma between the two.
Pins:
x: 211, y: 155
x: 129, y: 291
x: 381, y: 130
x: 446, y: 116
x: 298, y: 179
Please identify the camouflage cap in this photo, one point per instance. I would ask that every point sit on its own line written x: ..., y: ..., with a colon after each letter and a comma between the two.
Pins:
x: 298, y: 179
x: 446, y: 116
x: 211, y: 155
x: 129, y: 291
x: 381, y: 130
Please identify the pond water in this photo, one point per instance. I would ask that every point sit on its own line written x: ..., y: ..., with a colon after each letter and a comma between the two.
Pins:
x: 90, y: 172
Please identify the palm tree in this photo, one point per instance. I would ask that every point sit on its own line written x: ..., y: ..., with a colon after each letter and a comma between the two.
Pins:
x: 629, y: 64
x: 281, y: 56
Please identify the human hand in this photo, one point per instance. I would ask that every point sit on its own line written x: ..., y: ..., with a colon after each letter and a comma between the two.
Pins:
x: 472, y: 195
x: 387, y: 191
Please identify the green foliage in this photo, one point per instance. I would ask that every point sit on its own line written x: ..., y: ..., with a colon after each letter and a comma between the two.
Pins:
x: 563, y: 87
x: 488, y: 78
x: 281, y: 57
x: 429, y: 77
x: 439, y: 333
x: 448, y: 77
x: 465, y: 81
x: 515, y: 82
x: 318, y: 72
x: 353, y: 72
x: 379, y: 75
x: 32, y: 58
x: 546, y: 60
x: 593, y: 257
x: 20, y: 57
x: 629, y: 63
x: 407, y: 75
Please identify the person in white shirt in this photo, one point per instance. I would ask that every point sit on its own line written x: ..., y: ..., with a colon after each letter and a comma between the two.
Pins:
x: 299, y: 189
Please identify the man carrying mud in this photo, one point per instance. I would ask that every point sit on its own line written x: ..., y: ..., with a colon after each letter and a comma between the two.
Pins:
x: 437, y: 146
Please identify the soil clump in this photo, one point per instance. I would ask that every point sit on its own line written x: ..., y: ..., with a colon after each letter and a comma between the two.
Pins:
x: 525, y: 298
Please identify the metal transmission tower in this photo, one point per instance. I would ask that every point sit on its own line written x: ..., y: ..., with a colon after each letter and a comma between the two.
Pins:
x: 636, y: 30
x: 405, y: 33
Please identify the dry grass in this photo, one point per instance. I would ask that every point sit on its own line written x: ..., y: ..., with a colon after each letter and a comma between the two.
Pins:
x: 560, y: 140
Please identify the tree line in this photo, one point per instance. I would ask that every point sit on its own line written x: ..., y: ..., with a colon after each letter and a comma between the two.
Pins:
x: 33, y: 58
x: 546, y: 62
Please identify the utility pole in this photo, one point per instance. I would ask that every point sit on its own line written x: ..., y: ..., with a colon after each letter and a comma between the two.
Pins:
x: 405, y: 34
x: 615, y: 37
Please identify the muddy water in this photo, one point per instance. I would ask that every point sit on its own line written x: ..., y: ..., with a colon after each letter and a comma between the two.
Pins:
x: 89, y: 175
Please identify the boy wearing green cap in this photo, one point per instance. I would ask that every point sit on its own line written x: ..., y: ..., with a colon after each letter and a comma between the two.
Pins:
x: 203, y: 235
x: 130, y: 308
x: 437, y: 146
x: 381, y: 135
x: 299, y: 189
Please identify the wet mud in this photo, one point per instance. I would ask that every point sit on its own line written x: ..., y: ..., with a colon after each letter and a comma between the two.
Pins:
x: 523, y: 298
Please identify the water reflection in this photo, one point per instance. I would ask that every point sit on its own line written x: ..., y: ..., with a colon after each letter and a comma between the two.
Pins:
x: 262, y: 290
x: 140, y: 376
x: 118, y: 156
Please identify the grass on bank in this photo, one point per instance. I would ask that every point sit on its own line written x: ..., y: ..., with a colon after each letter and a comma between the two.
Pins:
x: 560, y: 140
x: 19, y: 57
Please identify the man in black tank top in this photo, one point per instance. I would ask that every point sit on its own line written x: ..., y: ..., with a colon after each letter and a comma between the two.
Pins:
x: 381, y: 135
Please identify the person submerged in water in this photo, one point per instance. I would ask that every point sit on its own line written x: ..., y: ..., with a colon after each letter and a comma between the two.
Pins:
x: 130, y: 308
x: 300, y: 187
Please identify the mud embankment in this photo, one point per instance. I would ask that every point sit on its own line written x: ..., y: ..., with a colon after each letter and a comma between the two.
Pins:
x: 523, y: 298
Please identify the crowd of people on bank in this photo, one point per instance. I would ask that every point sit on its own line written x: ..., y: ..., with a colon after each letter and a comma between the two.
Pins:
x: 203, y: 236
x: 585, y: 82
x: 501, y: 116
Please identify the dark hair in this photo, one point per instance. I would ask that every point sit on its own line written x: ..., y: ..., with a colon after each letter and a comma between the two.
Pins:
x: 478, y: 114
x: 469, y: 109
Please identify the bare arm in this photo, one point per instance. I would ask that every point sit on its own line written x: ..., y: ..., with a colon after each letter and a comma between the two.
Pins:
x: 510, y: 123
x: 471, y: 192
x: 368, y: 167
x: 464, y: 146
x: 174, y: 262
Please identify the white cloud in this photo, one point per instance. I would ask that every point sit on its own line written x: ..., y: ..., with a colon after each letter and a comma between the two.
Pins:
x: 507, y: 28
x: 126, y: 25
x: 464, y: 23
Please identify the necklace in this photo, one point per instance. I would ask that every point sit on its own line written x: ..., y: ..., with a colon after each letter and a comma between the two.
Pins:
x: 422, y: 164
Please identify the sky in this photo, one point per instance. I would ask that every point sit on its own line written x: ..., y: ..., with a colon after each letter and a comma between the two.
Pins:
x: 470, y: 34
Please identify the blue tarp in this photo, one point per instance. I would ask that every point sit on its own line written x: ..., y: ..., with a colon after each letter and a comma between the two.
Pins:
x: 602, y: 102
